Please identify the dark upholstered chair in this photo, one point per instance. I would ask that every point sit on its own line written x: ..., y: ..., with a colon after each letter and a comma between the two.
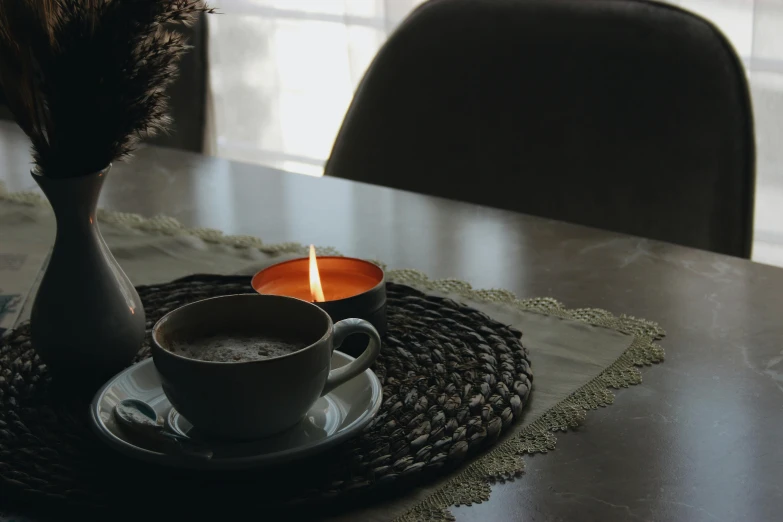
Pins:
x: 5, y: 113
x: 188, y: 95
x: 626, y: 115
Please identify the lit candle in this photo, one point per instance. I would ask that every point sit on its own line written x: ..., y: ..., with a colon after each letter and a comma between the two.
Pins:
x: 316, y: 290
x: 343, y: 286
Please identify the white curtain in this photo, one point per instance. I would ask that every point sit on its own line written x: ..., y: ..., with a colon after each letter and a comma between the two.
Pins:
x: 283, y: 73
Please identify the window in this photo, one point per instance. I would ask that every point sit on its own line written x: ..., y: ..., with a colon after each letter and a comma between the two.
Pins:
x: 283, y: 73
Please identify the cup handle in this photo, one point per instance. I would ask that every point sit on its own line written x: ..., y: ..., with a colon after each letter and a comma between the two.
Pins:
x: 342, y: 330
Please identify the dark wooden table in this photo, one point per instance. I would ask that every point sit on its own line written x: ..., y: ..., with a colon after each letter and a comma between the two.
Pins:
x: 699, y: 440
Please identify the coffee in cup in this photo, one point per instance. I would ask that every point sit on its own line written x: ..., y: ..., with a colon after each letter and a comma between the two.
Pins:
x: 242, y: 367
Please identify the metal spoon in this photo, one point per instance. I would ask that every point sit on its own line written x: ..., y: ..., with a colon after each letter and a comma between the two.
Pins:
x: 143, y: 419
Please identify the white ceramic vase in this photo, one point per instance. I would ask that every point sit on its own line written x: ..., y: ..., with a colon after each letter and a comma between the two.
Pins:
x: 87, y: 320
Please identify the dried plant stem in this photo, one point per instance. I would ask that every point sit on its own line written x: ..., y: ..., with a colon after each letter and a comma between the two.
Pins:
x: 86, y: 79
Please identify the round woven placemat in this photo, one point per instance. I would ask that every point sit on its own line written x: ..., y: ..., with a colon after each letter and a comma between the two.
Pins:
x: 453, y: 380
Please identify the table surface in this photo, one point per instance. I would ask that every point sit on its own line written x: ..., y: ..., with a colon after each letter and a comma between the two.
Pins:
x: 699, y: 440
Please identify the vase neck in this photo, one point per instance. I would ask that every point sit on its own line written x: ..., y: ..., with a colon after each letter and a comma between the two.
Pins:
x: 75, y: 197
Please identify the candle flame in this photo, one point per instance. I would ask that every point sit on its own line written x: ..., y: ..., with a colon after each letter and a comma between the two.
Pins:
x: 316, y: 291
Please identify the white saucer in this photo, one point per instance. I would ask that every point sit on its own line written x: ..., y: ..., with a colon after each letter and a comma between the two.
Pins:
x: 339, y: 415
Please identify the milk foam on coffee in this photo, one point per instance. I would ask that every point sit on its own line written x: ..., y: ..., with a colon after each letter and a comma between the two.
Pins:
x: 234, y: 348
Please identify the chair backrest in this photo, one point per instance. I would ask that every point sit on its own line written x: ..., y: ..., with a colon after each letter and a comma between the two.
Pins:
x: 5, y: 113
x: 626, y: 115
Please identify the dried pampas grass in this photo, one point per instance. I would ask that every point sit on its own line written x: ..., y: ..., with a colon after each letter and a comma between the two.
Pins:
x: 86, y: 79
